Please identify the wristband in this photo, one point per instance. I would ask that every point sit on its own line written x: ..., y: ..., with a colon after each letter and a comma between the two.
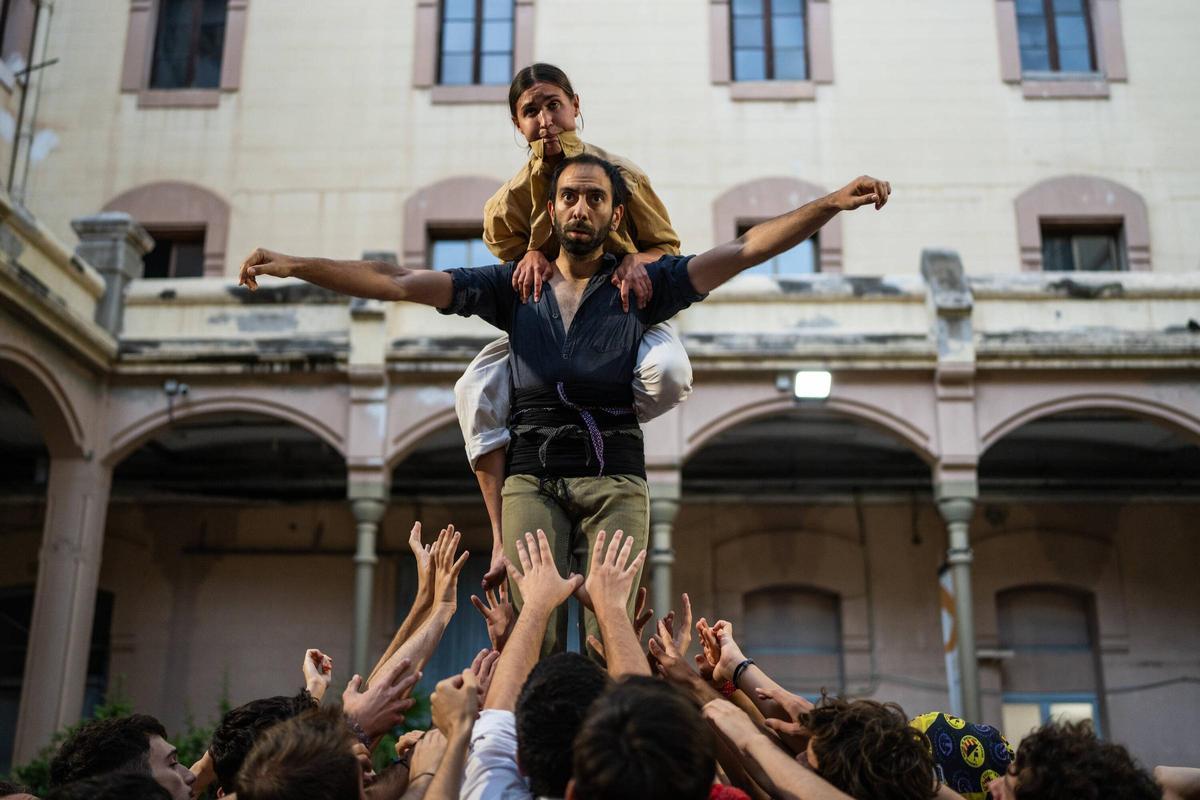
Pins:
x: 727, y: 689
x: 737, y: 673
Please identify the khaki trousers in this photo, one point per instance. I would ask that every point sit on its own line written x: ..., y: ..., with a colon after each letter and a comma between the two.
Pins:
x: 572, y: 511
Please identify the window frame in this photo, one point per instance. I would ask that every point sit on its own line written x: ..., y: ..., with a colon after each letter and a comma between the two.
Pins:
x: 1074, y: 229
x: 427, y: 55
x: 10, y: 17
x: 1082, y: 200
x: 193, y: 48
x: 477, y: 45
x: 175, y: 234
x: 745, y: 223
x: 139, y: 58
x: 764, y: 198
x: 442, y: 206
x: 182, y: 206
x: 1107, y: 47
x: 818, y: 55
x: 1051, y: 19
x: 768, y: 21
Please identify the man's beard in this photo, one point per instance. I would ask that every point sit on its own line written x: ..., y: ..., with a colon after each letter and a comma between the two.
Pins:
x: 581, y: 247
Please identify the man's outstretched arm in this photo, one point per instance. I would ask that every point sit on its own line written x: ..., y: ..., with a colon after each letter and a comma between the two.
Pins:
x: 768, y: 239
x: 376, y: 280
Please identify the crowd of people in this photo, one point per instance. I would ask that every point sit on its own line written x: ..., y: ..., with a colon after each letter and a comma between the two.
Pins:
x: 626, y: 720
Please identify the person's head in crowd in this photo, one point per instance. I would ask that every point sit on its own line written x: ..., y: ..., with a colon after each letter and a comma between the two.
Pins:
x: 240, y: 728
x: 643, y: 739
x: 1066, y: 761
x: 966, y: 757
x: 868, y: 749
x: 549, y: 712
x: 308, y: 757
x: 14, y: 791
x: 122, y: 785
x: 134, y: 743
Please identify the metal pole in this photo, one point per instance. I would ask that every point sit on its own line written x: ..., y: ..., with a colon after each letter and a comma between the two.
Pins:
x: 12, y: 162
x: 367, y: 514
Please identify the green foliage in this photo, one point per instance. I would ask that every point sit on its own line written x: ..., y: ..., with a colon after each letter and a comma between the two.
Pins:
x: 416, y: 719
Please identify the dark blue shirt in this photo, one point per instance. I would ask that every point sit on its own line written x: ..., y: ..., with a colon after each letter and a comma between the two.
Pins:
x: 601, y: 346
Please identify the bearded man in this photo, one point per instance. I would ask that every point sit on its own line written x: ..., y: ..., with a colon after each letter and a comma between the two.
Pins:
x: 576, y: 464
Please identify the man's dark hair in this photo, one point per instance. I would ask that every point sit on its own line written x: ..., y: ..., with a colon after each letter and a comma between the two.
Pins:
x: 537, y: 73
x: 8, y: 787
x: 241, y: 727
x: 1065, y: 761
x: 106, y: 745
x: 550, y: 710
x: 308, y: 757
x: 868, y: 749
x: 113, y: 786
x: 644, y: 739
x: 620, y: 189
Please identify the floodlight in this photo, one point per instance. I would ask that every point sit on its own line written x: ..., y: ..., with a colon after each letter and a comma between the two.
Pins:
x: 812, y: 384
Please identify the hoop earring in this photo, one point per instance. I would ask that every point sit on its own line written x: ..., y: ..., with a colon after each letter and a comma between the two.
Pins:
x: 580, y: 115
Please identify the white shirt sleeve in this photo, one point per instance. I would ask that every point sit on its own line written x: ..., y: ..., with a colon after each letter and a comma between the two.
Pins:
x: 492, y: 772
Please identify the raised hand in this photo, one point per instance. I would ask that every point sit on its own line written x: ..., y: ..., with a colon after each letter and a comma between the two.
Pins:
x: 421, y: 552
x: 498, y: 613
x: 531, y: 272
x: 731, y: 654
x: 538, y: 577
x: 862, y: 191
x: 670, y: 661
x: 455, y: 702
x: 445, y: 568
x: 792, y: 731
x: 484, y: 666
x: 630, y: 275
x: 264, y: 262
x: 381, y: 707
x: 710, y: 652
x: 609, y: 580
x: 318, y: 672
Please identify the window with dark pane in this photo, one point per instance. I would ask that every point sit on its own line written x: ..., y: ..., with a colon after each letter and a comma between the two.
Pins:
x: 1083, y: 248
x: 462, y: 247
x: 769, y: 40
x: 796, y: 637
x: 803, y: 259
x: 177, y: 253
x: 476, y: 42
x: 16, y: 29
x: 189, y: 44
x: 1055, y: 36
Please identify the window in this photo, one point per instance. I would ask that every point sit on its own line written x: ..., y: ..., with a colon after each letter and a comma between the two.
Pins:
x: 769, y: 40
x: 800, y: 260
x: 747, y: 204
x: 449, y: 249
x: 1055, y: 35
x: 476, y: 42
x: 188, y: 45
x: 184, y: 53
x: 795, y: 636
x: 177, y: 253
x: 1081, y: 223
x: 1074, y: 249
x: 1054, y: 671
x: 16, y: 32
x: 1061, y: 48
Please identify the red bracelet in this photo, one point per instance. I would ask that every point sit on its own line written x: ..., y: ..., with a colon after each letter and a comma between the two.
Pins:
x: 728, y: 688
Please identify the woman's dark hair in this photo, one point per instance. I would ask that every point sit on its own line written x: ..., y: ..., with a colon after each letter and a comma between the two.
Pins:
x: 537, y: 73
x: 867, y: 749
x: 1066, y: 760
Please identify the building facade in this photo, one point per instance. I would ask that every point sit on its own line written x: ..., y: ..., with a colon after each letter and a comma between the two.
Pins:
x: 202, y: 483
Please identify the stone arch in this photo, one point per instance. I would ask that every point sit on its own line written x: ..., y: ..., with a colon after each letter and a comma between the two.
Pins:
x: 454, y: 203
x: 1171, y: 416
x: 180, y: 204
x: 763, y: 198
x: 868, y: 413
x: 1082, y: 198
x: 132, y: 436
x: 57, y: 418
x: 403, y: 443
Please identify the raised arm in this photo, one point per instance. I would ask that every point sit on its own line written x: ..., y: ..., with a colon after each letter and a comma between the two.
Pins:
x: 376, y: 280
x: 609, y: 584
x: 423, y: 602
x: 768, y: 239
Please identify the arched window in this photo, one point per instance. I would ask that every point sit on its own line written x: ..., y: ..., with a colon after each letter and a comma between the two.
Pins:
x: 443, y: 224
x: 795, y: 635
x: 1082, y: 223
x: 190, y: 226
x: 750, y: 203
x: 1054, y: 671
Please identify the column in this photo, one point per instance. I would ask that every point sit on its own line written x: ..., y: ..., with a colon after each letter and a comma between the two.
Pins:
x: 368, y: 511
x: 114, y: 244
x: 958, y: 511
x: 664, y: 507
x: 64, y: 602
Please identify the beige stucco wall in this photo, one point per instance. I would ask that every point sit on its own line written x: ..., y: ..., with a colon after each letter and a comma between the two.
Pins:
x: 326, y: 137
